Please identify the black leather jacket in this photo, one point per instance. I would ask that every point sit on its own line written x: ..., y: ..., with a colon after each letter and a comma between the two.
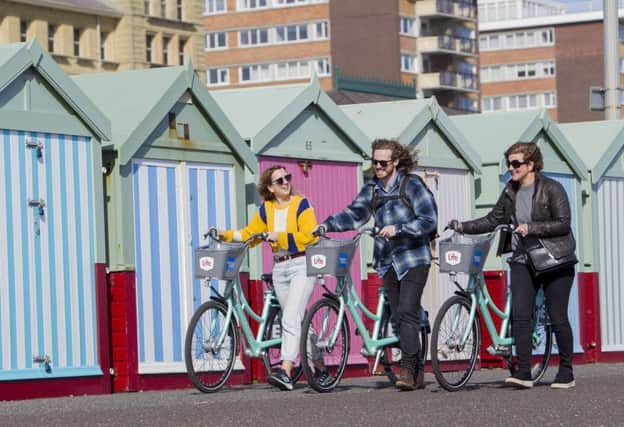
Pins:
x: 550, y: 216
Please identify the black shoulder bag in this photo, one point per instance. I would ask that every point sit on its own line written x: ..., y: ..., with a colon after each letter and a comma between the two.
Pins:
x: 542, y: 261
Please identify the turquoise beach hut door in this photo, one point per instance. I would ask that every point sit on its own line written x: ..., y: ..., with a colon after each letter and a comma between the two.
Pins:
x: 175, y: 203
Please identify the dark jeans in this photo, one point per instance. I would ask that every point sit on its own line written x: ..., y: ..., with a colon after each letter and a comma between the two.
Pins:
x: 557, y: 286
x: 404, y: 297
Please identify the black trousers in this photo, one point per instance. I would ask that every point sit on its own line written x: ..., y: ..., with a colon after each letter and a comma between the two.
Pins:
x: 557, y: 286
x: 404, y: 297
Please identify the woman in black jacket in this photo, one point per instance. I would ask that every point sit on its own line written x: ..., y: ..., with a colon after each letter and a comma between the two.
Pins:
x: 540, y: 210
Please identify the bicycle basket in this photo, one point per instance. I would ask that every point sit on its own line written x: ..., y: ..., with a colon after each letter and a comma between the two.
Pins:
x: 460, y: 253
x: 219, y: 260
x: 330, y: 256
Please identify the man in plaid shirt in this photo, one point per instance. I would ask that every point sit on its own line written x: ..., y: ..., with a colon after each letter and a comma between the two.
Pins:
x: 402, y: 255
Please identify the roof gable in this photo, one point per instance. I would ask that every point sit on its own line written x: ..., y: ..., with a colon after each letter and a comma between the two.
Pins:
x: 138, y: 100
x: 16, y: 59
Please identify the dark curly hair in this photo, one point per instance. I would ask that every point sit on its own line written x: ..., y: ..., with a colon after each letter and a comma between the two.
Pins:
x: 407, y: 160
x: 266, y: 181
x: 530, y: 151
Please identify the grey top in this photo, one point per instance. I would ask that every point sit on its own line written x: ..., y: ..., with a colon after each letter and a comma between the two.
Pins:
x: 524, y: 204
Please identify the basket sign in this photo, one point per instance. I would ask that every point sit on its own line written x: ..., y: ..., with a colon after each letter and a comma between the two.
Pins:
x: 452, y: 257
x: 476, y: 260
x: 206, y: 263
x: 230, y: 264
x: 318, y: 261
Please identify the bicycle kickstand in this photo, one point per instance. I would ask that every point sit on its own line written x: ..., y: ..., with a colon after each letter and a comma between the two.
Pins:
x: 376, y: 364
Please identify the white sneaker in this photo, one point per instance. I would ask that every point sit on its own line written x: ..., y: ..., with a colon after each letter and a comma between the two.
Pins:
x: 563, y: 385
x: 519, y: 383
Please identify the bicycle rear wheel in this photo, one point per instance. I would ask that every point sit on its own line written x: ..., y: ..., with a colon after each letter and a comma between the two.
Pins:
x: 319, y: 325
x: 542, y: 342
x: 209, y: 364
x: 391, y: 355
x: 273, y: 356
x: 453, y: 363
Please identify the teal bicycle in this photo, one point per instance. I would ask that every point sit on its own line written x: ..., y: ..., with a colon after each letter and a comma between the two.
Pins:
x: 212, y: 339
x: 326, y: 320
x: 456, y: 334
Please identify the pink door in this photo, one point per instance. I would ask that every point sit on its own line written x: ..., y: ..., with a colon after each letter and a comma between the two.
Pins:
x: 330, y: 187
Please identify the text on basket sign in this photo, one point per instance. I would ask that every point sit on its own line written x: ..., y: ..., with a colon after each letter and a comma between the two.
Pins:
x: 206, y: 263
x: 318, y: 261
x: 452, y: 257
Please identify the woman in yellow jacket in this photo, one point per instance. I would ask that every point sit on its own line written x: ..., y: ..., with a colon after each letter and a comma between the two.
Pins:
x: 289, y: 219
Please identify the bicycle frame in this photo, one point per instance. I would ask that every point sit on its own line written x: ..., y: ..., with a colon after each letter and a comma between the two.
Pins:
x: 348, y: 297
x: 237, y: 305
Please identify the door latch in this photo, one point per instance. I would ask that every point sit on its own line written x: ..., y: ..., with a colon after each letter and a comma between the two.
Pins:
x: 38, y: 203
x: 35, y: 145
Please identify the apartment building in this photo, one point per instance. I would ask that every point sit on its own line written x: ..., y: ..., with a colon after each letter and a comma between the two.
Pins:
x: 535, y: 54
x: 404, y: 48
x: 107, y: 35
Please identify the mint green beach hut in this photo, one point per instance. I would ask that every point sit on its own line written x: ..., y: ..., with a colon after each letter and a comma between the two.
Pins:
x: 175, y: 166
x: 601, y: 145
x: 53, y: 308
x: 491, y: 134
x: 446, y: 161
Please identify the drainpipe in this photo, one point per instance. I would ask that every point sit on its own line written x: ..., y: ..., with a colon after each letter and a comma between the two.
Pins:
x: 611, y: 56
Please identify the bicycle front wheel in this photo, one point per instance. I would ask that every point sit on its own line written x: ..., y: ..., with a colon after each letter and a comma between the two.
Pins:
x: 209, y: 362
x: 319, y: 351
x: 273, y: 355
x: 452, y: 361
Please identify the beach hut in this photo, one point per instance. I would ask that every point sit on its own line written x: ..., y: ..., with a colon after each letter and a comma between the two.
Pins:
x: 601, y: 145
x: 53, y: 303
x: 300, y: 127
x: 175, y: 167
x: 491, y: 134
x: 446, y: 161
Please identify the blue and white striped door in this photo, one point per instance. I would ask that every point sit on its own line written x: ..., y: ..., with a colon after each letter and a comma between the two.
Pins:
x: 174, y: 203
x: 47, y: 298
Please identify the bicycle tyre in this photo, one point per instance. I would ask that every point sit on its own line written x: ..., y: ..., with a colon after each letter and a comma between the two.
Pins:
x: 209, y: 368
x: 387, y: 360
x: 542, y: 330
x: 273, y: 355
x: 318, y: 325
x: 454, y: 366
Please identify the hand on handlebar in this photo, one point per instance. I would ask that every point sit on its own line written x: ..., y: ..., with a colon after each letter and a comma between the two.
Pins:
x: 271, y: 237
x: 213, y: 233
x: 455, y: 225
x: 387, y: 232
x: 522, y: 229
x: 319, y: 230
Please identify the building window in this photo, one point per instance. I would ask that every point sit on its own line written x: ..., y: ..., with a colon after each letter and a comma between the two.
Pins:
x: 517, y: 40
x: 322, y: 67
x: 255, y: 73
x: 215, y: 6
x: 103, y: 45
x: 509, y: 72
x: 179, y: 9
x: 322, y: 30
x: 181, y: 45
x: 51, y: 33
x: 23, y: 30
x: 216, y: 41
x: 147, y: 5
x: 291, y: 33
x: 163, y: 8
x: 408, y: 63
x: 406, y: 26
x: 76, y: 41
x: 253, y: 37
x: 252, y: 4
x: 166, y: 42
x: 149, y: 45
x: 218, y: 76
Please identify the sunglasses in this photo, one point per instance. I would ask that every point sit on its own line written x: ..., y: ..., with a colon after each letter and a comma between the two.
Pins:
x: 382, y: 163
x: 515, y: 163
x: 283, y: 180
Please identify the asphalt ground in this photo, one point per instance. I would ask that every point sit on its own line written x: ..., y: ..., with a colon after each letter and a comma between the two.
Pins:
x: 597, y: 400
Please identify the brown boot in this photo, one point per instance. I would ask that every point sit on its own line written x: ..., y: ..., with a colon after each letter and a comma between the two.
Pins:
x: 419, y: 379
x: 406, y: 380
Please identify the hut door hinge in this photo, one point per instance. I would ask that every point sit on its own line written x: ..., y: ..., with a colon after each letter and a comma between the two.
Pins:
x: 35, y: 145
x: 38, y: 203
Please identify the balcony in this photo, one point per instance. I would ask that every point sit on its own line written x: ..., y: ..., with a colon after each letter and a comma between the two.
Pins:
x: 447, y: 44
x: 448, y: 80
x: 464, y: 10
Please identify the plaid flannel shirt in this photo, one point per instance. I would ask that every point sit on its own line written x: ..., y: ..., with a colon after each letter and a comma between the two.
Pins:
x: 410, y: 247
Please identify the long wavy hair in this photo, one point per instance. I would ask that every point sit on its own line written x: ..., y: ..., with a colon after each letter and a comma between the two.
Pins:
x: 530, y: 151
x: 266, y: 181
x: 407, y: 160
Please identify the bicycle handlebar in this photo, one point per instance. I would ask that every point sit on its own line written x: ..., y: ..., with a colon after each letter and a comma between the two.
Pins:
x: 213, y: 234
x: 321, y: 232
